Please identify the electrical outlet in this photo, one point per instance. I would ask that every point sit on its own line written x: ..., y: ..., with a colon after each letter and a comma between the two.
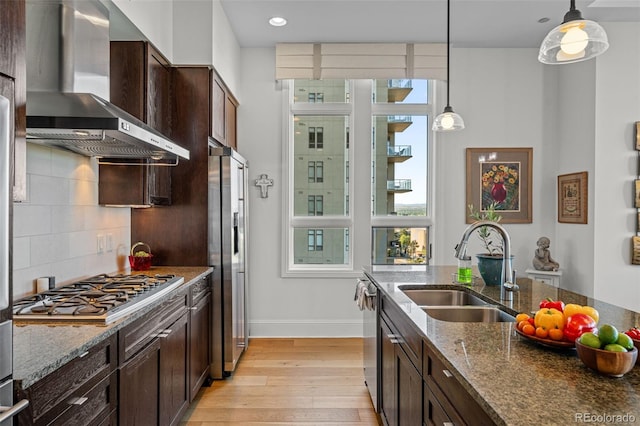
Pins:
x: 109, y: 242
x: 100, y: 243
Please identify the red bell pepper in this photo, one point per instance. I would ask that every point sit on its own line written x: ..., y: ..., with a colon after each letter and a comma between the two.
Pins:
x: 578, y: 324
x: 634, y: 333
x: 550, y: 303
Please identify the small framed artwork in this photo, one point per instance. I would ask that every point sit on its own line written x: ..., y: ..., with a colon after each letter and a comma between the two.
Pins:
x: 638, y: 135
x: 503, y: 177
x: 635, y: 250
x: 573, y: 197
x: 637, y: 192
x: 638, y: 225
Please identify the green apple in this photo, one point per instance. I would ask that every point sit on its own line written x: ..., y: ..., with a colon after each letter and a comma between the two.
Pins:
x: 614, y: 347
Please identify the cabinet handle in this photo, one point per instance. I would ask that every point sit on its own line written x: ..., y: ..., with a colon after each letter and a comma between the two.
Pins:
x: 448, y: 424
x: 164, y: 333
x: 193, y: 308
x: 447, y: 373
x: 78, y: 400
x: 83, y: 354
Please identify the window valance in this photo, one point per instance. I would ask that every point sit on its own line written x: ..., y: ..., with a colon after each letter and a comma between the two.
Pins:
x: 361, y: 60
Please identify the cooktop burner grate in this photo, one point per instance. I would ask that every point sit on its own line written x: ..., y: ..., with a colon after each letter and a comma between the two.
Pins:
x: 102, y: 298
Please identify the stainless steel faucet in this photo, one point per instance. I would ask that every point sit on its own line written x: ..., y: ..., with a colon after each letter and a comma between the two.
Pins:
x: 508, y: 279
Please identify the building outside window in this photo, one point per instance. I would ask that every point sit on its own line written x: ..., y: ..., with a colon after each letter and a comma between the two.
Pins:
x: 315, y: 205
x: 390, y: 217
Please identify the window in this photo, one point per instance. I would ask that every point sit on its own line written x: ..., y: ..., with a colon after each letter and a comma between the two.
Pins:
x: 316, y: 171
x: 314, y: 239
x: 316, y: 137
x: 387, y: 166
x: 315, y: 205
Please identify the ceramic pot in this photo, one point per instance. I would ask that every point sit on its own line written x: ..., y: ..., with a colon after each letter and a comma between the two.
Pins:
x: 490, y: 268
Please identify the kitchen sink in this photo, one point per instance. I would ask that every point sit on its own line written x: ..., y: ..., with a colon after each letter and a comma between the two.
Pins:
x: 468, y: 314
x: 439, y: 297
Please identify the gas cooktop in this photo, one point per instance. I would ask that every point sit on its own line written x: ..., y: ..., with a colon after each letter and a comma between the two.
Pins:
x: 99, y: 299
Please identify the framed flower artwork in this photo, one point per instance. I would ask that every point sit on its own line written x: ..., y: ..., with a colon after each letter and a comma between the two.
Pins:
x: 503, y: 177
x: 573, y: 198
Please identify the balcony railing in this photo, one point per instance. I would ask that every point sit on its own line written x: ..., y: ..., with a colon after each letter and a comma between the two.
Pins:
x: 399, y: 185
x: 399, y: 119
x: 399, y: 84
x: 399, y: 151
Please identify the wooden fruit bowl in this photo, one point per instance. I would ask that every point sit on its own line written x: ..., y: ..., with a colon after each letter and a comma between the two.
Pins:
x: 614, y: 364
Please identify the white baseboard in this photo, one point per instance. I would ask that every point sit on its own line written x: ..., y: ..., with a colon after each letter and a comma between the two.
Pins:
x: 305, y: 328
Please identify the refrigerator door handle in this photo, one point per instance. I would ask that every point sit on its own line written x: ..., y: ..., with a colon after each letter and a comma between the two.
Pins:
x: 235, y: 232
x: 5, y: 196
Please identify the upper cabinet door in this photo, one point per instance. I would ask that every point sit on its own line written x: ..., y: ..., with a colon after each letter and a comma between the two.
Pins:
x: 12, y: 27
x: 223, y: 112
x: 158, y: 112
x: 218, y: 116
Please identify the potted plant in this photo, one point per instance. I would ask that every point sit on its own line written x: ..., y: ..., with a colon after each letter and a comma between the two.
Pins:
x: 490, y: 262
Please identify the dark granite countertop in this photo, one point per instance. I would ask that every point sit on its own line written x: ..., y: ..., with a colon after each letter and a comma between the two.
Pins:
x: 39, y: 349
x: 517, y: 381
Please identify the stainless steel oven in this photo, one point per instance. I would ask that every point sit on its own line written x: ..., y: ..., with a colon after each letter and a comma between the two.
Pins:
x: 7, y: 408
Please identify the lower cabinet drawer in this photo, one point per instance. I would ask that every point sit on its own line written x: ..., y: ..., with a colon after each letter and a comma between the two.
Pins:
x: 96, y: 406
x: 433, y: 413
x: 56, y: 393
x: 439, y: 378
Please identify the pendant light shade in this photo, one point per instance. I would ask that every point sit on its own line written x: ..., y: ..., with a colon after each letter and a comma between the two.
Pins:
x: 448, y: 121
x: 574, y: 40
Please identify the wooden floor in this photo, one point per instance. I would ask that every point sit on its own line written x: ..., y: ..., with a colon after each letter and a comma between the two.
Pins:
x: 289, y: 382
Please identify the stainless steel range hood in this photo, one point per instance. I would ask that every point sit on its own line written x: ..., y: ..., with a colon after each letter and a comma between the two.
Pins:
x: 68, y: 87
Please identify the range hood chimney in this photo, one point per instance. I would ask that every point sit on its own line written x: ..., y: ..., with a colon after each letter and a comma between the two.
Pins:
x: 68, y: 88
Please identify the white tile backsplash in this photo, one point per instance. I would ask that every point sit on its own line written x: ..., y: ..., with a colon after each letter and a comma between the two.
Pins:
x: 55, y: 230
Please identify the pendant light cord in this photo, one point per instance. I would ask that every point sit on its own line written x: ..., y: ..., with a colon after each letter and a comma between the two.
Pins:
x: 449, y: 49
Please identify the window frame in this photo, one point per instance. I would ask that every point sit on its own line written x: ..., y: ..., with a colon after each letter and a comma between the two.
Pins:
x: 358, y: 220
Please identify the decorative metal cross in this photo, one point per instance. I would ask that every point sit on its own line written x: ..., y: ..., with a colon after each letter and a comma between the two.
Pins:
x: 264, y: 183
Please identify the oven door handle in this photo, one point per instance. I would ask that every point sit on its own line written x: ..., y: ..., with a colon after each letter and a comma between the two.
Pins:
x: 8, y: 412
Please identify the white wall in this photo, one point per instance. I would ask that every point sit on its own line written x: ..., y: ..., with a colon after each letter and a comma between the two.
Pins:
x: 280, y: 306
x: 55, y: 230
x: 154, y: 18
x: 617, y: 107
x: 498, y: 92
x: 192, y: 35
x: 574, y: 140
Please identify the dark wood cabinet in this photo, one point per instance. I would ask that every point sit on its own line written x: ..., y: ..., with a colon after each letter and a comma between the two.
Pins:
x: 139, y: 395
x: 153, y: 384
x: 140, y: 83
x: 223, y: 112
x: 185, y: 242
x: 199, y: 336
x: 400, y: 378
x: 173, y: 387
x: 83, y: 391
x: 451, y: 396
x: 13, y: 67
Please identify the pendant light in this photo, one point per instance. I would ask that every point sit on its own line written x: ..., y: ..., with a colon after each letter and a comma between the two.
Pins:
x: 448, y: 121
x: 574, y: 40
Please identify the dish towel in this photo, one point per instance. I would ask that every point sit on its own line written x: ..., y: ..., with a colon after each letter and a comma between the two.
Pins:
x: 364, y: 299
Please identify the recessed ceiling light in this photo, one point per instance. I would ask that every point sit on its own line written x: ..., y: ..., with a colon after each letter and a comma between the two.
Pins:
x: 278, y: 21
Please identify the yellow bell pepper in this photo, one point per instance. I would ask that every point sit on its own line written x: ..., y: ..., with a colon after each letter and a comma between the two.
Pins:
x: 549, y: 318
x: 572, y: 308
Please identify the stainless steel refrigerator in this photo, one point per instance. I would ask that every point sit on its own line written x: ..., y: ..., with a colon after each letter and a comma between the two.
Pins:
x: 7, y: 408
x: 228, y: 256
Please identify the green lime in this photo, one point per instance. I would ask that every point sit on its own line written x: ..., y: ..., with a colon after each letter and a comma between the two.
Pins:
x: 625, y: 341
x: 607, y: 334
x: 614, y: 347
x: 591, y: 340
